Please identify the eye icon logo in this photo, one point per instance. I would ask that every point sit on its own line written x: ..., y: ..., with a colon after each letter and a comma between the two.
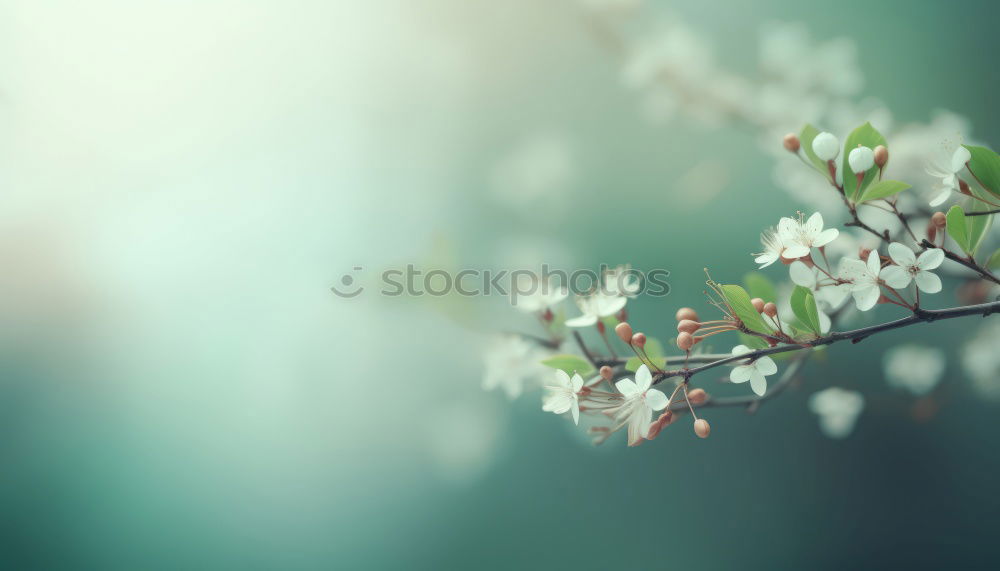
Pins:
x: 347, y: 288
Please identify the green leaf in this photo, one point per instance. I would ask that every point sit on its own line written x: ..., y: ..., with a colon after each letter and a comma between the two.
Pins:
x: 985, y: 165
x: 806, y: 140
x: 752, y: 342
x: 978, y: 227
x: 804, y: 307
x: 760, y: 286
x: 882, y: 189
x: 569, y: 363
x: 866, y: 136
x: 956, y: 227
x: 994, y: 262
x: 739, y: 301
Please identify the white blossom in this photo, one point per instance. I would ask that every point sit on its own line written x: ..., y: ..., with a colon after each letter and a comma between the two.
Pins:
x: 838, y: 410
x: 640, y: 402
x: 564, y: 396
x: 511, y: 363
x: 826, y: 146
x: 773, y: 248
x: 864, y: 279
x: 861, y: 159
x: 756, y: 371
x: 915, y: 368
x: 799, y: 237
x: 909, y: 268
x: 594, y: 307
x: 621, y: 281
x: 543, y: 295
x: 946, y: 171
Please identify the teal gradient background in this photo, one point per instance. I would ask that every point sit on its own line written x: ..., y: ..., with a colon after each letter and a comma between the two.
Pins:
x: 182, y: 182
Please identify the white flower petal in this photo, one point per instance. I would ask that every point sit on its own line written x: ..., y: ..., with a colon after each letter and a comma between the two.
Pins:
x: 802, y: 275
x: 928, y: 282
x: 577, y: 383
x: 741, y: 374
x: 796, y: 251
x: 627, y: 387
x: 576, y: 412
x: 895, y: 276
x: 901, y: 254
x: 643, y: 378
x: 941, y: 197
x: 825, y: 237
x: 866, y: 298
x: 930, y: 259
x: 740, y: 350
x: 959, y: 158
x: 562, y: 379
x: 758, y: 384
x: 656, y: 399
x: 765, y: 366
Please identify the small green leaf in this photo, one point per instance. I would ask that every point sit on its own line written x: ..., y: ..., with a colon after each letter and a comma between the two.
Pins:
x: 978, y: 226
x: 994, y: 262
x: 752, y: 342
x: 804, y: 307
x: 760, y: 286
x: 739, y: 301
x: 882, y: 189
x: 957, y: 228
x: 985, y: 165
x: 866, y: 136
x: 569, y: 363
x: 806, y: 140
x: 654, y: 349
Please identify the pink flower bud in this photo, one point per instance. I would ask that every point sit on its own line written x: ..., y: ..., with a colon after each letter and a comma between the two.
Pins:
x: 686, y: 313
x: 758, y: 304
x: 607, y: 373
x: 701, y: 428
x: 624, y: 332
x: 687, y: 326
x: 639, y: 340
x: 881, y: 156
x: 685, y: 341
x: 939, y: 220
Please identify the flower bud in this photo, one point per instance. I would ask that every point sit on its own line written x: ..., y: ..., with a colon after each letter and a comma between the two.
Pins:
x: 931, y: 231
x: 624, y: 332
x: 607, y: 373
x: 939, y: 220
x: 701, y: 428
x: 622, y: 315
x: 792, y: 143
x: 639, y: 340
x: 861, y: 159
x: 659, y: 424
x: 758, y: 304
x: 881, y: 156
x: 863, y: 253
x: 687, y: 326
x: 963, y: 187
x: 547, y: 316
x: 686, y: 313
x: 685, y: 341
x: 770, y: 309
x: 600, y: 326
x: 826, y: 146
x: 697, y: 396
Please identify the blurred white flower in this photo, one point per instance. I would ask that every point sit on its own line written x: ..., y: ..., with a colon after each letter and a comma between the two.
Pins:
x: 755, y: 372
x: 838, y: 410
x: 916, y: 368
x: 909, y: 268
x: 981, y: 360
x: 640, y: 402
x: 799, y: 237
x: 946, y: 171
x: 513, y: 363
x: 864, y: 279
x: 621, y: 281
x: 594, y: 307
x: 543, y: 294
x: 563, y: 397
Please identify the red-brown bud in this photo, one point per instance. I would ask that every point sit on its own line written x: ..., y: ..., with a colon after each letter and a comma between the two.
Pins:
x: 687, y: 326
x: 686, y: 313
x: 639, y: 340
x: 685, y: 341
x: 863, y: 253
x: 931, y: 231
x: 701, y: 428
x: 881, y: 156
x: 792, y: 143
x: 624, y: 332
x: 758, y: 304
x: 697, y: 396
x: 770, y: 309
x: 939, y: 220
x: 607, y: 373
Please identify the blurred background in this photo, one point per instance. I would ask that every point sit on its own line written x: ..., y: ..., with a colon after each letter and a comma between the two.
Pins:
x: 181, y: 183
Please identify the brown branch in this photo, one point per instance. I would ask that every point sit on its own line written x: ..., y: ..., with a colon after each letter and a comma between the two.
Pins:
x: 967, y: 262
